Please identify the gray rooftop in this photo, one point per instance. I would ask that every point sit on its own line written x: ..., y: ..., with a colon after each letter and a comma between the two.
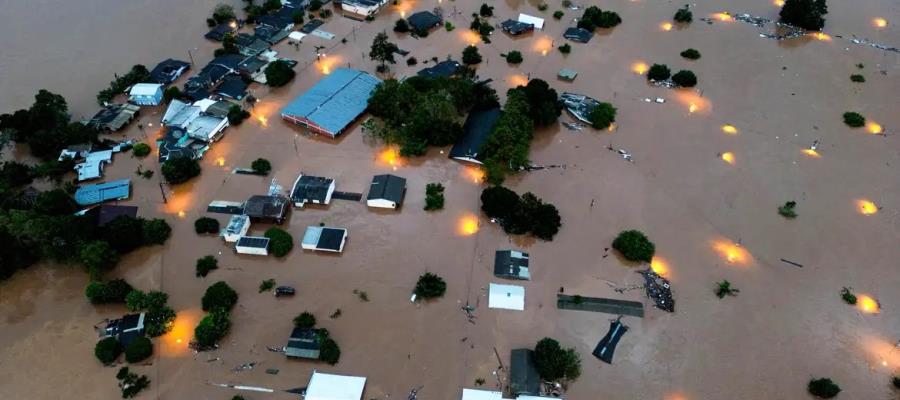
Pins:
x: 335, y: 101
x: 387, y: 187
x: 511, y: 264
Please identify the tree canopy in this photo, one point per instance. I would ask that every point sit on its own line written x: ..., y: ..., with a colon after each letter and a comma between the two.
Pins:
x: 520, y: 215
x: 140, y: 150
x: 45, y: 126
x: 107, y: 350
x: 219, y: 296
x: 602, y: 116
x: 854, y: 119
x: 555, y: 363
x: 139, y: 349
x: 543, y: 102
x: 114, y: 291
x: 684, y: 15
x: 514, y: 57
x: 261, y: 166
x: 823, y: 388
x: 506, y: 147
x: 685, y: 78
x: 212, y: 328
x: 280, y: 241
x: 430, y: 286
x: 205, y: 265
x: 305, y: 320
x: 206, y: 225
x: 691, y: 54
x: 382, y: 50
x: 594, y: 17
x: 806, y: 14
x: 658, y: 72
x: 279, y: 73
x: 180, y: 170
x: 471, y: 56
x: 634, y: 246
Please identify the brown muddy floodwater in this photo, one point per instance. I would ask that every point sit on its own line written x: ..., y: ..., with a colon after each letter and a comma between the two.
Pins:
x: 712, y: 216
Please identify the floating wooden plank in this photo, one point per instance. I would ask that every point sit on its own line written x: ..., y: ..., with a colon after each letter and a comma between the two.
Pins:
x: 597, y: 304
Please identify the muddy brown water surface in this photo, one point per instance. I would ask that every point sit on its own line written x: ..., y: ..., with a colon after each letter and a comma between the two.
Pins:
x: 787, y: 324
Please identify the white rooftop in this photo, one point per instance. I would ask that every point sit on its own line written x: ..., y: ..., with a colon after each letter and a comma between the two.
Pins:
x: 509, y: 297
x: 335, y: 387
x: 535, y: 398
x: 530, y: 19
x: 144, y: 89
x: 474, y: 394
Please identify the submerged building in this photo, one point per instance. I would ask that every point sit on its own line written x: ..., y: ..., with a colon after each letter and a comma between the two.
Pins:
x: 332, y: 104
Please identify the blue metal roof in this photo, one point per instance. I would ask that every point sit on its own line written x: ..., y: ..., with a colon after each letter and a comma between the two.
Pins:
x: 113, y: 190
x: 336, y: 100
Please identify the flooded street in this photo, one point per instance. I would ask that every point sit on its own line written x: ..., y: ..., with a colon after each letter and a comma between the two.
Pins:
x: 760, y: 100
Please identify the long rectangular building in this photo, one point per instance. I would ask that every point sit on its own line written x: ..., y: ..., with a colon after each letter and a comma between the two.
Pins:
x: 333, y: 103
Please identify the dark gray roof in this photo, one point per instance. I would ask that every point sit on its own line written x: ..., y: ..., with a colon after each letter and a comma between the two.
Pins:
x: 253, y: 241
x: 114, y: 116
x: 312, y: 25
x: 331, y: 239
x: 303, y: 343
x: 578, y: 34
x: 309, y: 188
x: 423, y: 20
x: 233, y: 87
x: 476, y: 130
x: 387, y: 187
x: 444, y: 69
x: 511, y: 264
x: 168, y: 71
x: 218, y: 32
x: 514, y: 27
x: 523, y: 374
x: 177, y: 143
x: 108, y: 212
x: 266, y: 206
x: 251, y: 65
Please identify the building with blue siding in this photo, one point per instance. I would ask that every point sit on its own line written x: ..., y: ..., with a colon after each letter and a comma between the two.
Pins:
x: 146, y: 94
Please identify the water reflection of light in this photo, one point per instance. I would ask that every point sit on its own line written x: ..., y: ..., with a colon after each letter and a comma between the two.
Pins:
x: 543, y: 44
x: 880, y: 22
x: 469, y: 36
x: 874, y: 128
x: 220, y: 161
x: 779, y: 3
x: 882, y: 351
x: 866, y: 207
x: 693, y: 102
x: 692, y: 108
x: 867, y: 304
x: 181, y: 214
x: 474, y: 174
x: 390, y: 156
x: 402, y: 14
x: 639, y: 68
x: 812, y: 153
x: 822, y: 36
x: 327, y: 64
x: 728, y: 157
x: 666, y: 26
x: 468, y: 225
x: 675, y: 396
x: 175, y: 343
x: 730, y: 129
x: 731, y: 252
x: 262, y: 110
x: 660, y: 266
x: 723, y: 16
x: 517, y: 80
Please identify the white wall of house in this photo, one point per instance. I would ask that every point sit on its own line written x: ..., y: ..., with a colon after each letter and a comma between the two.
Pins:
x: 251, y: 250
x: 381, y: 203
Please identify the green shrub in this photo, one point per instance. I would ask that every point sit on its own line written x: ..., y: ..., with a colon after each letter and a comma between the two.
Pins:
x: 401, y: 26
x: 114, y: 291
x: 261, y: 166
x: 486, y: 11
x: 602, y: 116
x: 266, y: 285
x: 520, y: 215
x: 107, y: 350
x: 691, y: 54
x: 430, y: 286
x: 542, y: 7
x: 684, y: 15
x: 180, y: 170
x: 130, y: 383
x: 212, y: 328
x: 724, y: 289
x: 514, y: 57
x: 594, y: 17
x: 305, y: 321
x: 558, y: 14
x: 787, y: 210
x: 857, y: 78
x: 98, y: 256
x: 279, y: 73
x: 206, y: 225
x: 896, y: 381
x: 658, y: 72
x: 206, y: 264
x: 685, y: 78
x: 848, y: 296
x: 140, y: 150
x: 434, y: 196
x: 280, y: 242
x: 554, y: 363
x: 854, y: 120
x: 448, y: 26
x: 155, y: 231
x: 471, y: 55
x: 329, y: 351
x: 823, y: 388
x: 139, y: 349
x: 219, y: 296
x: 634, y: 246
x: 565, y: 48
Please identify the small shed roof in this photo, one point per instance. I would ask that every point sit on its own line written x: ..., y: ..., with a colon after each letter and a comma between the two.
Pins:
x: 257, y: 242
x: 511, y: 264
x: 509, y: 297
x: 476, y: 130
x: 567, y: 74
x: 303, y: 343
x: 335, y: 387
x: 145, y: 89
x: 475, y: 394
x: 387, y: 187
x: 523, y: 374
x: 530, y: 19
x: 335, y: 101
x: 98, y: 193
x: 578, y: 34
x: 446, y: 69
x: 324, y: 238
x: 516, y: 27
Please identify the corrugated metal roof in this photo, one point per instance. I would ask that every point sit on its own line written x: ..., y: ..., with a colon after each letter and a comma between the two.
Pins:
x: 145, y: 89
x: 93, y: 194
x: 336, y: 100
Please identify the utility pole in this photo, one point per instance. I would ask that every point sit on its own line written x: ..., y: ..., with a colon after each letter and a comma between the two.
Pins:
x: 165, y: 201
x: 191, y: 56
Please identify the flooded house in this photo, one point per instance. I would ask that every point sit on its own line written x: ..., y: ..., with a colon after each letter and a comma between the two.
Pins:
x: 168, y: 71
x: 218, y: 32
x: 386, y: 191
x: 320, y: 238
x: 443, y: 69
x: 333, y: 103
x: 273, y: 208
x: 237, y: 227
x: 477, y: 128
x: 273, y: 28
x: 125, y: 329
x: 255, y: 245
x: 250, y: 45
x: 424, y: 21
x: 303, y: 343
x: 114, y: 117
x: 579, y: 35
x: 478, y: 394
x: 193, y: 121
x: 507, y: 297
x: 233, y: 87
x: 361, y: 8
x: 146, y: 94
x: 312, y: 189
x: 579, y: 105
x: 511, y: 264
x: 101, y: 192
x: 524, y: 378
x: 334, y: 387
x: 516, y: 28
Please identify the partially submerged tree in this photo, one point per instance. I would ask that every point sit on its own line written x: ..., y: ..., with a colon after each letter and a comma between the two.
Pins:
x: 130, y: 383
x: 98, y: 256
x: 787, y: 210
x: 140, y: 150
x: 470, y: 56
x: 434, y: 196
x: 223, y: 13
x: 107, y: 350
x: 857, y: 78
x: 139, y: 349
x: 724, y: 288
x: 514, y: 57
x: 205, y: 265
x: 401, y: 26
x: 602, y: 116
x: 554, y: 363
x: 685, y: 78
x: 594, y: 17
x: 279, y: 73
x: 280, y: 241
x: 854, y: 119
x: 848, y: 296
x: 691, y: 54
x: 329, y: 351
x: 180, y: 170
x: 382, y: 50
x: 658, y: 72
x: 565, y: 48
x: 261, y: 166
x: 806, y: 14
x: 823, y: 388
x: 305, y: 320
x: 206, y: 225
x: 684, y: 15
x: 543, y: 102
x: 430, y: 286
x: 558, y: 14
x: 236, y: 115
x: 212, y: 328
x: 520, y: 215
x: 219, y: 296
x: 114, y: 291
x: 486, y: 11
x: 634, y: 246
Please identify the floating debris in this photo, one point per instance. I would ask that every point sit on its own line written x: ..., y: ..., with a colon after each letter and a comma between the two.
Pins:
x: 579, y: 105
x: 658, y: 289
x: 573, y: 126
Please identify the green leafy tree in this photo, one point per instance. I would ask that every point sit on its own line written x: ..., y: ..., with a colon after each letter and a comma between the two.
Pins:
x: 55, y: 202
x: 543, y: 102
x: 558, y: 14
x: 787, y: 210
x: 171, y: 93
x: 554, y: 363
x: 206, y: 225
x: 279, y: 73
x: 205, y: 265
x: 114, y: 291
x: 329, y: 351
x: 854, y: 120
x: 98, y: 256
x: 499, y: 202
x: 691, y: 54
x: 684, y: 15
x: 724, y: 288
x: 806, y: 14
x: 236, y: 115
x: 139, y: 349
x: 486, y: 11
x: 180, y: 170
x: 565, y: 48
x: 848, y: 296
x: 155, y: 231
x: 658, y: 72
x: 434, y: 196
x: 297, y: 17
x: 141, y: 150
x: 857, y: 78
x: 266, y: 285
x: 280, y: 241
x: 634, y: 246
x: 305, y: 321
x: 514, y: 57
x: 685, y: 78
x: 159, y: 320
x: 823, y: 388
x: 107, y: 350
x: 594, y: 17
x: 382, y: 50
x: 123, y: 233
x: 213, y: 327
x: 219, y: 296
x: 130, y: 383
x: 602, y: 116
x: 430, y: 286
x: 261, y: 166
x: 401, y: 26
x: 470, y: 56
x: 223, y: 13
x: 544, y: 218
